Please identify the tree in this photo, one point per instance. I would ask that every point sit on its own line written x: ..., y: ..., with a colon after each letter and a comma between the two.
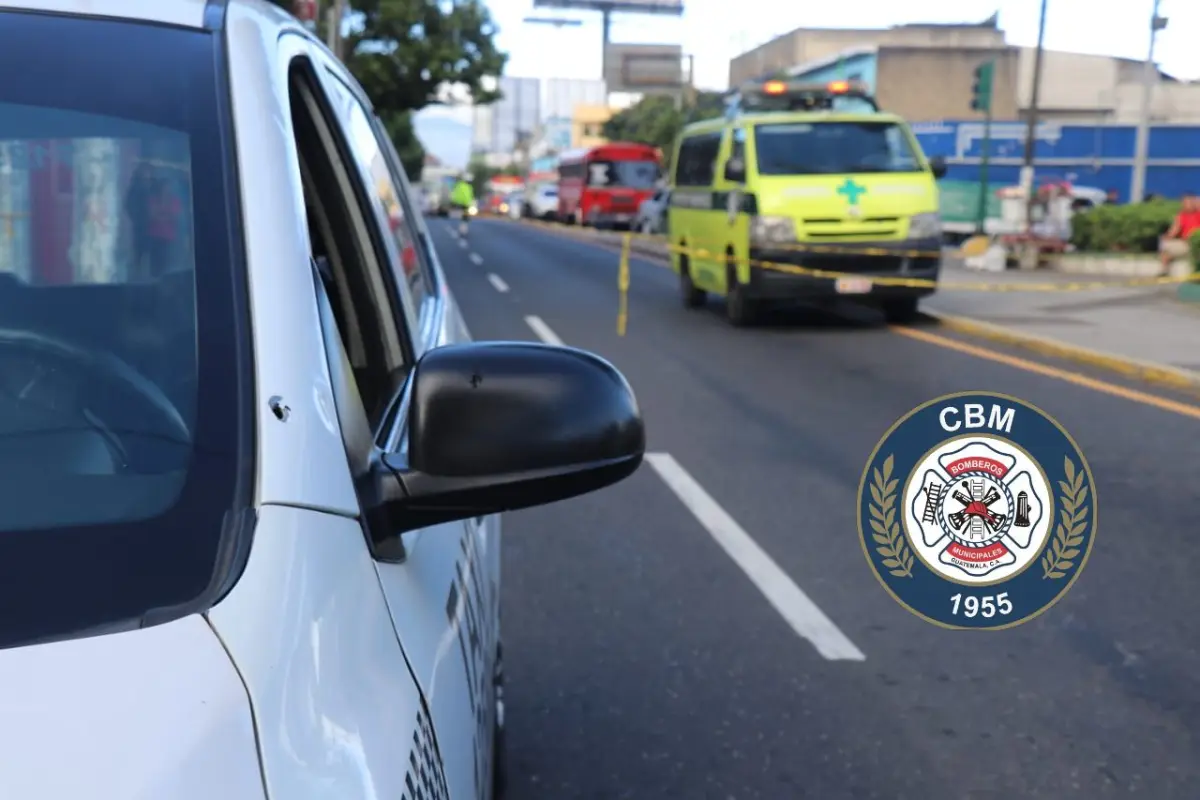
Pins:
x: 404, y: 51
x: 655, y: 120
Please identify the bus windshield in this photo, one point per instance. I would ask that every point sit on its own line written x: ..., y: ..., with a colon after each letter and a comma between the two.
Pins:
x: 833, y: 148
x: 623, y: 174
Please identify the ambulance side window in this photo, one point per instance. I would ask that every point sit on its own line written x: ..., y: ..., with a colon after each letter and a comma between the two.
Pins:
x: 698, y: 160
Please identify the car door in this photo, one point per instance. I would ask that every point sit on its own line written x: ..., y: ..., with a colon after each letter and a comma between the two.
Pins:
x: 443, y: 590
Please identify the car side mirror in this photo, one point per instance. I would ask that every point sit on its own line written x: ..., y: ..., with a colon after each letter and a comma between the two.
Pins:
x: 499, y: 426
x: 937, y: 165
x: 735, y: 170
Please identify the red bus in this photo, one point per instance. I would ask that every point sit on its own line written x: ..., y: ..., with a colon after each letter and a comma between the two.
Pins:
x: 603, y: 186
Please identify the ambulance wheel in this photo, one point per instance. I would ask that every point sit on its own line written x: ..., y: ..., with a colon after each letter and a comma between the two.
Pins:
x: 739, y: 309
x: 900, y: 311
x: 691, y: 296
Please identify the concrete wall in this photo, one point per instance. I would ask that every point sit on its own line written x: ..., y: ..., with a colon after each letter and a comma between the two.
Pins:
x: 934, y: 84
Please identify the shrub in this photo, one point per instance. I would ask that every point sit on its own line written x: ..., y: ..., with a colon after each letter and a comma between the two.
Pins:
x: 1194, y: 242
x: 1133, y: 228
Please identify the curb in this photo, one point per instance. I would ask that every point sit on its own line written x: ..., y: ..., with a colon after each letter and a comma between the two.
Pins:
x: 1145, y: 371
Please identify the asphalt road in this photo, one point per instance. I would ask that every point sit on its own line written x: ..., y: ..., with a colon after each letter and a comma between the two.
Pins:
x: 642, y: 661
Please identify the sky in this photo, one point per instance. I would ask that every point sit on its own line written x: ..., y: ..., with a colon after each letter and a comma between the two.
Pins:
x: 714, y: 31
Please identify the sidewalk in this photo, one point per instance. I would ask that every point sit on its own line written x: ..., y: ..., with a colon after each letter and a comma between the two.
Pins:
x: 1145, y: 324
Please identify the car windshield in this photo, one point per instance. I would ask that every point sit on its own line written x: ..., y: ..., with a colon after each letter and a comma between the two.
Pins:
x: 623, y: 174
x: 114, y: 246
x: 833, y: 148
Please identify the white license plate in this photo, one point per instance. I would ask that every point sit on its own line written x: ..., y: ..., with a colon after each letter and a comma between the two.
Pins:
x: 852, y: 286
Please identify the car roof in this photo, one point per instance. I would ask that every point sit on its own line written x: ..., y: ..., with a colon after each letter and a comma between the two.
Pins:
x: 184, y: 13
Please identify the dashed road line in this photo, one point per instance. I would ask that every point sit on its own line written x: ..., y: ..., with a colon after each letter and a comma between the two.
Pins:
x: 462, y: 243
x: 543, y: 331
x: 497, y: 282
x: 788, y: 599
x: 477, y: 259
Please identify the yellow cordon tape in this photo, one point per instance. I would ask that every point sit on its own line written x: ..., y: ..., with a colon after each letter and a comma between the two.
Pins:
x: 882, y: 280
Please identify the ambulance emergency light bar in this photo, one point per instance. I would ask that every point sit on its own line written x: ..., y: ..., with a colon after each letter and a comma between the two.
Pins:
x: 792, y: 95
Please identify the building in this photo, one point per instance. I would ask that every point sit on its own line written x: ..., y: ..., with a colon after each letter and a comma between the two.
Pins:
x: 561, y: 95
x: 903, y: 62
x: 510, y: 121
x: 805, y: 45
x: 552, y: 136
x: 587, y: 125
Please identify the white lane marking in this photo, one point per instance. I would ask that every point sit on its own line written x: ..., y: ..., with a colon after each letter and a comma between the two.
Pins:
x: 788, y: 599
x: 498, y: 282
x: 543, y: 330
x: 477, y: 259
x: 462, y: 243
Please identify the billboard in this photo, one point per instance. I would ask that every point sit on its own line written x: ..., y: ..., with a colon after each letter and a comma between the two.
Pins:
x: 672, y: 7
x: 644, y: 67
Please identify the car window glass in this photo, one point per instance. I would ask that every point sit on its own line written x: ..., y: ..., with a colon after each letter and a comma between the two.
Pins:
x: 350, y: 239
x: 96, y: 238
x: 370, y: 155
x: 121, y: 291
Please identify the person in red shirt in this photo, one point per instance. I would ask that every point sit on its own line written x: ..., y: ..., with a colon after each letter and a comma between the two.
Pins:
x: 1174, y: 244
x: 165, y: 212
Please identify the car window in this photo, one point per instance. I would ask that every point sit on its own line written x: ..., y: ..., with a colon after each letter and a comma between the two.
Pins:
x: 351, y: 241
x: 117, y: 296
x: 407, y: 263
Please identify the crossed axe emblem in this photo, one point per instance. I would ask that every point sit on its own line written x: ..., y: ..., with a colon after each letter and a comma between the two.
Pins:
x: 976, y: 507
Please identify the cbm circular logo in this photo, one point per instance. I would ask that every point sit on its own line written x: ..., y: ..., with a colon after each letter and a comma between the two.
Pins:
x: 977, y: 511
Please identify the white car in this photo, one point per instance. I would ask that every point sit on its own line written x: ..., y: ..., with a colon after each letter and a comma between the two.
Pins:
x: 250, y: 463
x: 543, y: 204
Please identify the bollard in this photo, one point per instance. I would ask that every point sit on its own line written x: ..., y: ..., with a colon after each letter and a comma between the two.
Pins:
x: 623, y: 284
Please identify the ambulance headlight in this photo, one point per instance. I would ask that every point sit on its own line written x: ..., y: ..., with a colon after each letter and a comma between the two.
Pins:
x: 772, y: 230
x: 925, y: 226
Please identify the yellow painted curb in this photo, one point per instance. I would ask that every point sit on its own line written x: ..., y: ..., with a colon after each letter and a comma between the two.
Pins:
x: 1145, y: 371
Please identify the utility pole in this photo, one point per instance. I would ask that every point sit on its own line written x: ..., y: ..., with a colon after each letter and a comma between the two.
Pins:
x: 1137, y: 187
x: 333, y: 35
x: 1031, y: 130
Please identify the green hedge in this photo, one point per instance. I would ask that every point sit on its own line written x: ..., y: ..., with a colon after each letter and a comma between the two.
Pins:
x: 1194, y: 241
x: 1133, y: 228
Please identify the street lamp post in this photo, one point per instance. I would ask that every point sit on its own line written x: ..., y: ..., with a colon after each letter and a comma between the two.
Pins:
x: 1031, y: 130
x: 1137, y: 186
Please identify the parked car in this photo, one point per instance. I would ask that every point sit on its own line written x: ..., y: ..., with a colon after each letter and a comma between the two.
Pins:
x: 652, y: 213
x: 230, y: 442
x: 543, y: 204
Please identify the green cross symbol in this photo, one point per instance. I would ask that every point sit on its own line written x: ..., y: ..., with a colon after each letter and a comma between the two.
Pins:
x: 852, y: 191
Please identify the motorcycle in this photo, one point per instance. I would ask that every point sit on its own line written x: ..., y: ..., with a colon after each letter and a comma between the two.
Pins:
x: 461, y: 216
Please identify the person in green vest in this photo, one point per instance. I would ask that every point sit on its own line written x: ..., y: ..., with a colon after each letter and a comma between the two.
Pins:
x: 462, y: 197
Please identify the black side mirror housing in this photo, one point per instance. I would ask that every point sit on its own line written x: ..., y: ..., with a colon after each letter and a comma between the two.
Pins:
x: 937, y: 165
x: 735, y: 170
x: 499, y: 426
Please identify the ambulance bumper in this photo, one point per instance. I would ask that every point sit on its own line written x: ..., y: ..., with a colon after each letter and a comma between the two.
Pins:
x: 916, y: 259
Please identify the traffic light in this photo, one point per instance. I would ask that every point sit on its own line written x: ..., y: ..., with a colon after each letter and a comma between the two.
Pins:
x: 981, y: 91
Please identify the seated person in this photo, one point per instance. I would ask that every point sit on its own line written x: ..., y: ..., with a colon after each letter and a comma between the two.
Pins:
x: 1174, y: 244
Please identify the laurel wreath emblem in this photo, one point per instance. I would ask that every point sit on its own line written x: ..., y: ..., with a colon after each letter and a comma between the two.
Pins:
x: 889, y: 540
x: 1072, y: 526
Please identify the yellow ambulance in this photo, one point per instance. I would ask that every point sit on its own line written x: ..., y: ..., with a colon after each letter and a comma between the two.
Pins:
x: 811, y: 176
